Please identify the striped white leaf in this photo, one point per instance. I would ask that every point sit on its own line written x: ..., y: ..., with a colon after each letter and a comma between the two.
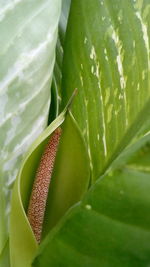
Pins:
x: 28, y: 32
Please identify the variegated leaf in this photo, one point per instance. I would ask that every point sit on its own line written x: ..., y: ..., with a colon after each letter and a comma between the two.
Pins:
x: 28, y: 32
x: 107, y: 57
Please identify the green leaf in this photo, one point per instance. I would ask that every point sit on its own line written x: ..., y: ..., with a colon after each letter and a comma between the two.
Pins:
x: 57, y: 76
x: 110, y: 227
x: 23, y: 244
x: 71, y: 156
x: 141, y: 160
x: 71, y: 174
x: 4, y: 259
x: 28, y: 33
x: 107, y: 57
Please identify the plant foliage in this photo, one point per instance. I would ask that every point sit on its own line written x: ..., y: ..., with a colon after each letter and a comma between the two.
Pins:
x: 97, y: 212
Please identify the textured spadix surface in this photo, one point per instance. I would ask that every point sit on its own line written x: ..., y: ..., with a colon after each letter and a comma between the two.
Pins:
x: 28, y: 32
x: 41, y: 185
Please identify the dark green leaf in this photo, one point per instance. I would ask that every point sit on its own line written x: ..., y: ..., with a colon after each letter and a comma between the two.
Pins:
x: 57, y: 76
x: 110, y: 227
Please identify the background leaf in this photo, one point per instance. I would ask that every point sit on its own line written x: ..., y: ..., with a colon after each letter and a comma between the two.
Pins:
x: 107, y: 58
x: 110, y: 227
x: 28, y: 32
x: 57, y: 75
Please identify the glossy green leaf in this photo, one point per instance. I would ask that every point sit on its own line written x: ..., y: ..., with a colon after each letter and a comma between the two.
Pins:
x: 28, y: 32
x: 66, y: 181
x: 107, y: 57
x: 110, y: 227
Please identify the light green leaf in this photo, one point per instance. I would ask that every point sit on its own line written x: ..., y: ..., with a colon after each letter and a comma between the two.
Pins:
x: 28, y: 33
x: 4, y: 259
x: 70, y: 178
x: 23, y: 244
x: 107, y: 57
x: 110, y: 227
